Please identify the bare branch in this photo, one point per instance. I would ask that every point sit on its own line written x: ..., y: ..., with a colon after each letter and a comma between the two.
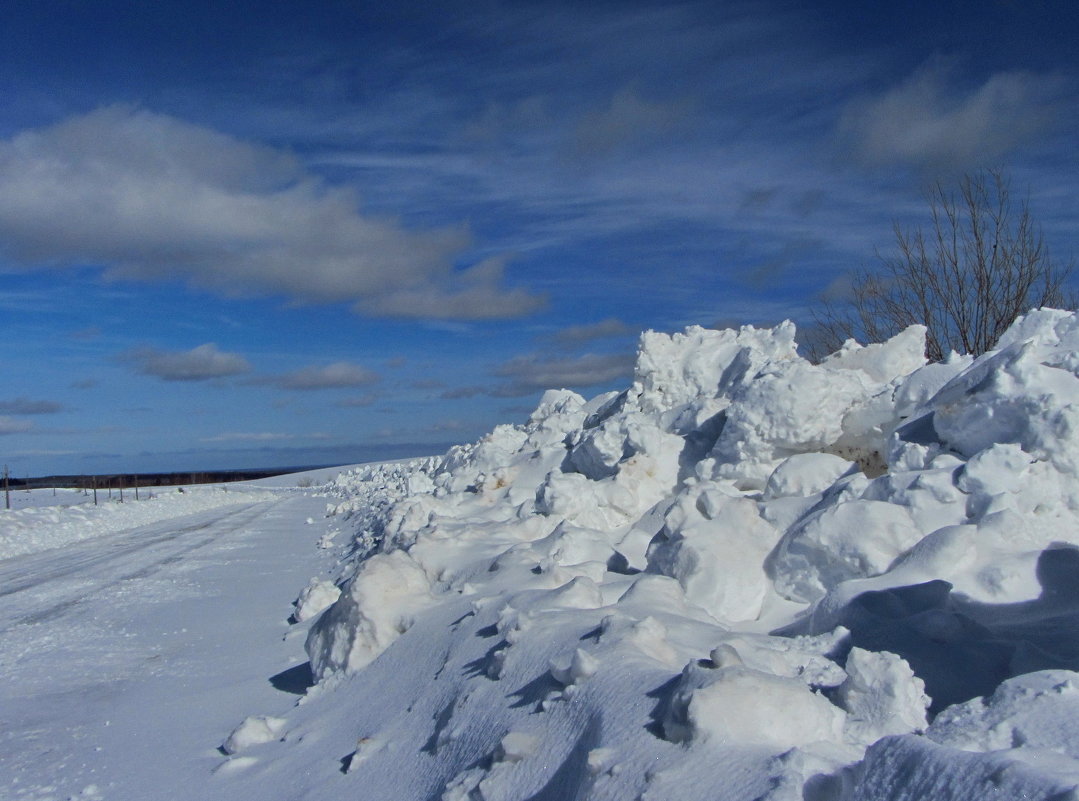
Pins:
x: 980, y: 263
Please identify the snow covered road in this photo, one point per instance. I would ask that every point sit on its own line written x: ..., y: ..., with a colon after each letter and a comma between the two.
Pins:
x: 127, y: 659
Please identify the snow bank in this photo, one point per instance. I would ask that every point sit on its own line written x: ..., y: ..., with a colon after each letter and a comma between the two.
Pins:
x: 34, y: 529
x: 746, y: 576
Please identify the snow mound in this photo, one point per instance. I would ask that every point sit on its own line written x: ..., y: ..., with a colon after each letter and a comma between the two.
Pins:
x: 255, y: 730
x: 746, y: 576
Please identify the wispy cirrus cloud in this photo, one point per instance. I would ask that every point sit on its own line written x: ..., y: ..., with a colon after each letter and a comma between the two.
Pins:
x: 246, y: 436
x: 927, y: 121
x: 12, y: 425
x: 359, y: 401
x: 27, y: 406
x: 531, y: 373
x: 338, y: 375
x: 576, y: 335
x: 626, y: 120
x: 477, y: 296
x: 198, y: 364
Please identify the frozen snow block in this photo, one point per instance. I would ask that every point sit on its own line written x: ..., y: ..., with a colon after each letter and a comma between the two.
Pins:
x: 1035, y: 710
x: 376, y: 608
x: 911, y: 768
x: 739, y: 706
x: 255, y: 730
x: 955, y: 655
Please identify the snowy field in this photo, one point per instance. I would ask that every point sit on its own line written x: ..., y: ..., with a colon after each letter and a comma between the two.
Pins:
x: 745, y: 577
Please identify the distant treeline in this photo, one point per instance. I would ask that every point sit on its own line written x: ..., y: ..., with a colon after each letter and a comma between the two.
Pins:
x: 130, y: 480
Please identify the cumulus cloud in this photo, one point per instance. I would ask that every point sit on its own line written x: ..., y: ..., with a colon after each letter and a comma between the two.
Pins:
x: 926, y: 122
x: 28, y: 406
x: 197, y: 364
x: 338, y: 375
x: 149, y: 196
x: 10, y: 425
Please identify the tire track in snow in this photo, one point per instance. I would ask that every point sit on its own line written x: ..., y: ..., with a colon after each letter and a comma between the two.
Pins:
x: 115, y: 554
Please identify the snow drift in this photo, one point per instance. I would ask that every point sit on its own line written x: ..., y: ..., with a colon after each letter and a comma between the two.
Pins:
x: 746, y: 576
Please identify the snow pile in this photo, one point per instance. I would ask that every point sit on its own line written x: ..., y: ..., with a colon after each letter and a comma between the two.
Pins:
x: 39, y: 528
x: 746, y: 576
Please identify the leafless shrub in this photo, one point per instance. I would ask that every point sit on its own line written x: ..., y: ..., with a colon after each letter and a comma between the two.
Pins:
x: 980, y: 263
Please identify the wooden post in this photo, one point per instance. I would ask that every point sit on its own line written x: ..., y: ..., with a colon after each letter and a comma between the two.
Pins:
x: 136, y: 486
x: 7, y: 491
x: 94, y: 481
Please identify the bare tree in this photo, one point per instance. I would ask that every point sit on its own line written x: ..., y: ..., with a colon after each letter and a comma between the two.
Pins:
x: 980, y: 264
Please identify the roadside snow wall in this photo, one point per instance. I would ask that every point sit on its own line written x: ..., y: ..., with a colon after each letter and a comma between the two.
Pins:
x: 746, y: 576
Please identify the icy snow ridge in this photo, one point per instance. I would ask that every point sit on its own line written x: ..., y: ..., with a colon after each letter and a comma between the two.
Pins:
x: 746, y: 576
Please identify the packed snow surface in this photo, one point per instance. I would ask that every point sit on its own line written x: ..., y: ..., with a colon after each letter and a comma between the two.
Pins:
x: 747, y: 576
x: 47, y: 521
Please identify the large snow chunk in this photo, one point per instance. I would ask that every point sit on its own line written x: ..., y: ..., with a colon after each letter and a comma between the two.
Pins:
x: 676, y: 371
x: 794, y: 408
x: 255, y: 730
x: 806, y: 474
x: 739, y: 706
x: 1010, y: 396
x: 314, y: 598
x: 1035, y: 710
x: 1055, y: 333
x: 715, y: 546
x: 855, y: 539
x: 883, y: 362
x: 882, y: 696
x: 377, y: 607
x: 912, y: 768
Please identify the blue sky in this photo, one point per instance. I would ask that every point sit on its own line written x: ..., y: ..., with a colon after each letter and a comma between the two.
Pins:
x: 283, y: 233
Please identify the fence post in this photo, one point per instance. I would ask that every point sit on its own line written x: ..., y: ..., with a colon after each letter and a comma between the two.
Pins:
x: 7, y: 491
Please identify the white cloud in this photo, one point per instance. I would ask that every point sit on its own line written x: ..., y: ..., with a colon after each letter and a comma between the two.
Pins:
x: 359, y: 401
x: 531, y: 373
x: 197, y: 364
x: 628, y: 118
x: 338, y: 375
x: 149, y: 196
x: 241, y: 436
x: 575, y: 335
x: 11, y: 425
x: 925, y: 122
x: 477, y: 298
x: 28, y: 406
